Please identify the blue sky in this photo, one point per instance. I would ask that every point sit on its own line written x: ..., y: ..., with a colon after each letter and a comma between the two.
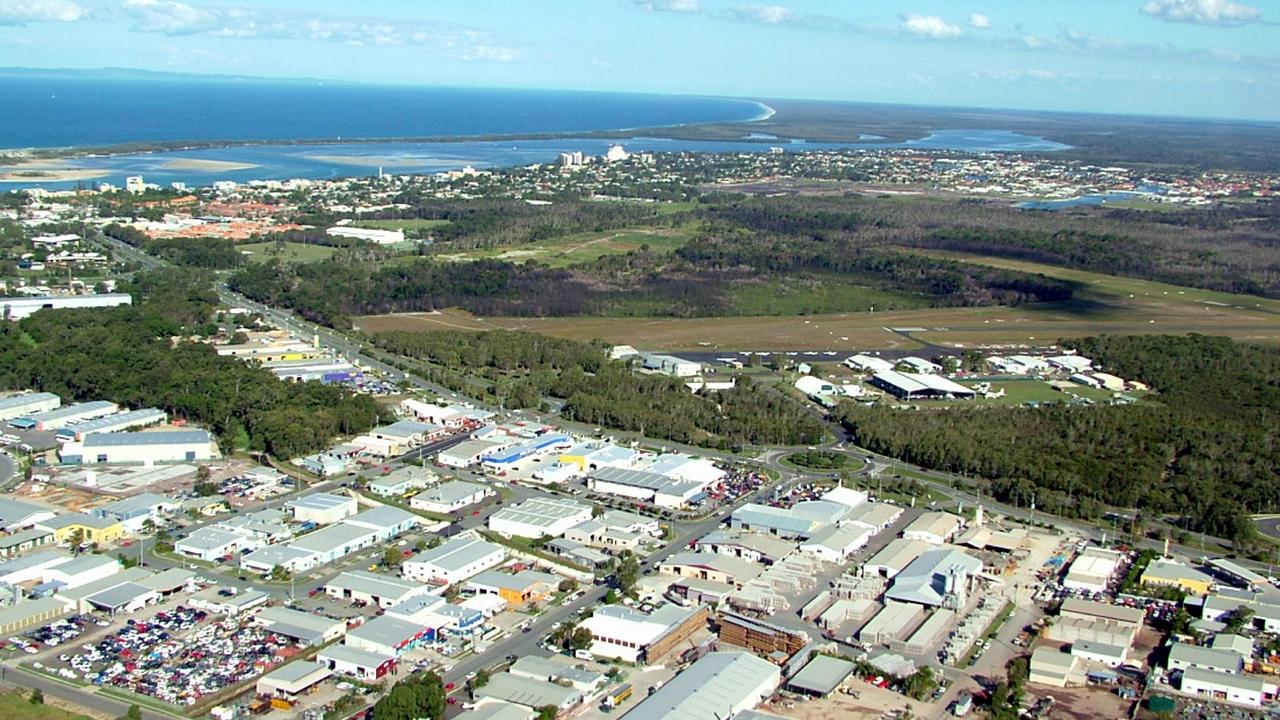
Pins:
x: 1209, y: 58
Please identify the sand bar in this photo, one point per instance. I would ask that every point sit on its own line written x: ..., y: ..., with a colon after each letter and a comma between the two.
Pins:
x: 371, y: 160
x: 198, y: 165
x: 44, y: 173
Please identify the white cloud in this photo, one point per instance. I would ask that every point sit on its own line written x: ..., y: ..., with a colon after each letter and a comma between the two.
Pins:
x: 1202, y: 12
x: 176, y: 18
x: 767, y: 14
x: 18, y: 12
x: 930, y: 26
x: 980, y: 21
x: 491, y: 53
x: 676, y: 6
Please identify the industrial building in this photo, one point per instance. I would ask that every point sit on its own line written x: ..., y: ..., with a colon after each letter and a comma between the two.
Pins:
x: 670, y: 365
x: 1052, y: 667
x: 356, y: 663
x: 506, y: 458
x: 623, y: 633
x: 377, y: 590
x: 468, y: 453
x: 916, y: 386
x: 322, y: 508
x: 894, y: 621
x: 782, y: 522
x: 133, y: 512
x: 1240, y: 689
x: 308, y: 629
x: 1183, y: 656
x: 1092, y: 570
x: 750, y: 546
x: 645, y: 486
x: 17, y: 514
x: 55, y: 419
x: 763, y: 638
x: 719, y: 684
x: 528, y: 692
x: 521, y: 588
x: 16, y: 406
x: 290, y: 681
x: 146, y: 448
x: 118, y: 422
x: 387, y: 635
x: 936, y: 577
x: 1161, y: 572
x: 820, y: 676
x: 894, y: 557
x: 537, y: 517
x: 835, y: 543
x: 211, y: 544
x: 453, y: 561
x: 24, y: 614
x: 711, y: 566
x: 17, y: 308
x: 934, y: 528
x: 402, y: 481
x: 450, y: 497
x: 377, y: 237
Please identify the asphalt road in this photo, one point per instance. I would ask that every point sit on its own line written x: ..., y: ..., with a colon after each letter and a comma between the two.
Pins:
x: 84, y: 697
x: 7, y: 469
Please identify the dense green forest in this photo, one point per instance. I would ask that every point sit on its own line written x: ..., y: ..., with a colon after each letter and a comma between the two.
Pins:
x: 598, y: 391
x: 1206, y: 450
x: 126, y: 355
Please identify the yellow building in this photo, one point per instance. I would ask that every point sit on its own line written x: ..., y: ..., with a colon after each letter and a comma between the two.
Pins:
x: 1167, y: 573
x: 92, y: 529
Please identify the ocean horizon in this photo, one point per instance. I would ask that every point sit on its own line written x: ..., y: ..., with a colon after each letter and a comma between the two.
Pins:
x: 85, y: 111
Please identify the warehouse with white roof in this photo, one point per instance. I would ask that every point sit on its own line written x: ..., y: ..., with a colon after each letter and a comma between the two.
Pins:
x: 117, y: 422
x: 16, y: 406
x: 915, y: 386
x: 539, y: 516
x: 146, y: 448
x: 54, y: 419
x: 453, y: 561
x: 718, y: 685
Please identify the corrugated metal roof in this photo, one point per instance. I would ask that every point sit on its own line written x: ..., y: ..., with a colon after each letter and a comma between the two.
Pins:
x: 163, y: 437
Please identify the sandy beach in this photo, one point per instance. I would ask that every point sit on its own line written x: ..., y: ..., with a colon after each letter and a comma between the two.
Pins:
x: 197, y: 165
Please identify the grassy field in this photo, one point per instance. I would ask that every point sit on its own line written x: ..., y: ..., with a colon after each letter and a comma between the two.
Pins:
x: 16, y: 706
x: 1103, y: 304
x: 293, y: 252
x: 815, y: 296
x: 405, y: 224
x: 582, y: 247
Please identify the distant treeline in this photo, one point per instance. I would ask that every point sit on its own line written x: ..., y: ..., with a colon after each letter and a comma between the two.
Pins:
x: 1206, y: 451
x: 125, y: 355
x: 597, y: 391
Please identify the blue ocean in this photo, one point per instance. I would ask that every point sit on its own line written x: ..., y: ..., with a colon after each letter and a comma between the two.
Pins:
x: 50, y: 110
x: 61, y: 111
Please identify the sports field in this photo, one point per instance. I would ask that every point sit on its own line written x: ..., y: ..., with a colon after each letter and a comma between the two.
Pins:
x: 291, y: 252
x: 1103, y: 304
